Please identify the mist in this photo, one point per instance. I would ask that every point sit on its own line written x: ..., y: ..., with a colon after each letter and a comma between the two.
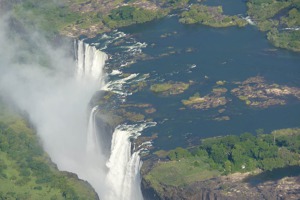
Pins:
x: 54, y: 89
x: 41, y: 80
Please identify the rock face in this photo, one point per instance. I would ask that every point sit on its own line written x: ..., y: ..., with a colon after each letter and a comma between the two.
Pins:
x: 233, y: 187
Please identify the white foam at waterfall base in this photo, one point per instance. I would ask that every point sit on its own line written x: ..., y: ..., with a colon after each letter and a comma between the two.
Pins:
x: 123, y: 178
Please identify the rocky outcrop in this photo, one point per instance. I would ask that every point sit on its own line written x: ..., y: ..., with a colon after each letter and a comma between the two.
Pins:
x: 256, y: 92
x: 233, y: 187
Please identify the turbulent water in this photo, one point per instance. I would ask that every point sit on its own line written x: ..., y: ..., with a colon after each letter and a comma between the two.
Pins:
x: 120, y: 169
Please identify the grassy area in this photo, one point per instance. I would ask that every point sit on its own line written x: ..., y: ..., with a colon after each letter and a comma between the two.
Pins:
x: 193, y: 100
x: 45, y: 15
x: 210, y: 16
x: 179, y: 173
x: 169, y: 88
x: 157, y: 88
x: 26, y: 171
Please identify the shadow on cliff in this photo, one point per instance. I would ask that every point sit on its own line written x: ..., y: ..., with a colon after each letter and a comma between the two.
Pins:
x: 274, y: 175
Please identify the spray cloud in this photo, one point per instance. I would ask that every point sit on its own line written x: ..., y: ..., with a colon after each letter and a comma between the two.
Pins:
x: 39, y: 79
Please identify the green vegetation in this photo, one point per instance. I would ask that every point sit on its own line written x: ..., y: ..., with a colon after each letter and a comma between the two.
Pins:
x: 51, y: 17
x: 193, y: 100
x: 130, y: 116
x: 177, y: 3
x: 280, y: 19
x: 285, y: 39
x: 247, y: 152
x: 73, y: 18
x: 180, y: 172
x: 161, y: 87
x: 225, y: 155
x: 212, y: 100
x: 127, y: 15
x: 211, y: 16
x: 26, y: 172
x: 265, y: 9
x: 169, y: 88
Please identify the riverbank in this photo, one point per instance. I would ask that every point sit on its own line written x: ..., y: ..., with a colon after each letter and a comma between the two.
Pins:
x: 231, y: 187
x: 225, y: 168
x: 89, y: 18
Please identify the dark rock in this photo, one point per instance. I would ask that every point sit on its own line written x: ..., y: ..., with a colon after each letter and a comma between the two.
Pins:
x: 231, y: 187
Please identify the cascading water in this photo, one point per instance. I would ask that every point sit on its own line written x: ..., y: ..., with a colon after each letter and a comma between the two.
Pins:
x: 93, y: 147
x: 121, y: 168
x: 56, y: 103
x: 90, y: 62
x: 121, y: 179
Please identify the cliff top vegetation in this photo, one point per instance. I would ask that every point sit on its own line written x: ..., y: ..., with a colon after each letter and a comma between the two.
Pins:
x: 226, y: 155
x: 26, y: 171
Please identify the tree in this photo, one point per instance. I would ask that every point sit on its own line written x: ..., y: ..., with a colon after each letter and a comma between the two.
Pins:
x: 219, y: 153
x: 247, y: 136
x: 228, y: 167
x: 229, y: 141
x: 238, y: 155
x: 178, y: 154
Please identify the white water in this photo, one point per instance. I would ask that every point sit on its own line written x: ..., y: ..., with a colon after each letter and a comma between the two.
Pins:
x: 117, y: 86
x: 292, y: 29
x: 249, y: 20
x: 121, y: 170
x: 92, y: 145
x: 90, y: 62
x: 123, y: 178
x: 115, y: 72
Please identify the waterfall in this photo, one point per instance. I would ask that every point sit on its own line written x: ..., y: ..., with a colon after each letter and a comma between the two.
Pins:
x: 92, y: 146
x: 90, y: 62
x: 120, y: 169
x: 123, y: 178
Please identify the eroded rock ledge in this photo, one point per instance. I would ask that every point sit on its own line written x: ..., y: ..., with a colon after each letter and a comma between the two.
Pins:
x: 233, y: 187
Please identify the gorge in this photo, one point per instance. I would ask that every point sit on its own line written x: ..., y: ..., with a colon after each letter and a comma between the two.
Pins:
x: 195, y: 81
x: 57, y: 102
